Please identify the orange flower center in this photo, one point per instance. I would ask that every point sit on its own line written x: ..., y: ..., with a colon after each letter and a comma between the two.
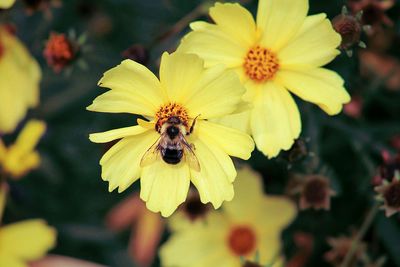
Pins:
x: 260, y: 64
x: 242, y: 240
x: 171, y: 110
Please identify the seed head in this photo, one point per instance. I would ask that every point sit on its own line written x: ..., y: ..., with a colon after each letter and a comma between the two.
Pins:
x: 59, y: 51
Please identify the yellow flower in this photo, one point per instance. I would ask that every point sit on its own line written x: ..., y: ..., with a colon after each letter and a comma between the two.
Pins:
x: 20, y: 157
x: 178, y: 144
x: 252, y: 222
x: 19, y: 81
x: 6, y: 3
x: 24, y: 241
x: 282, y: 52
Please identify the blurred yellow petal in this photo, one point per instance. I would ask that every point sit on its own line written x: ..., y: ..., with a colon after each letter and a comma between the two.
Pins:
x: 235, y: 21
x: 279, y: 21
x: 315, y: 47
x: 164, y: 186
x: 8, y: 261
x: 121, y: 163
x: 19, y: 81
x: 233, y: 142
x: 275, y: 120
x: 281, y: 211
x: 218, y: 93
x: 30, y: 135
x: 213, y: 182
x: 3, y: 151
x: 21, y: 157
x: 134, y: 82
x: 213, y: 45
x: 319, y: 86
x: 248, y: 195
x: 269, y: 249
x: 115, y: 134
x: 27, y: 240
x: 6, y: 3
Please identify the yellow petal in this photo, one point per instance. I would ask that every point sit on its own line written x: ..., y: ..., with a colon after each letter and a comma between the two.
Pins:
x: 278, y: 213
x: 248, y: 194
x: 239, y: 121
x: 218, y: 93
x: 27, y: 240
x: 6, y: 3
x: 9, y: 261
x: 314, y: 47
x: 213, y: 45
x: 269, y: 248
x: 115, y: 134
x: 207, y: 246
x: 118, y: 101
x: 212, y: 182
x: 121, y: 163
x: 3, y: 151
x: 233, y: 142
x: 279, y: 21
x: 164, y: 186
x: 30, y: 135
x: 235, y: 21
x: 319, y: 86
x: 19, y: 79
x: 179, y: 73
x: 275, y: 120
x: 134, y: 83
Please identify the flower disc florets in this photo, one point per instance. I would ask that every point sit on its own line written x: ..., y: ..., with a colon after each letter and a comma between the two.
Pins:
x: 172, y: 110
x: 260, y: 64
x: 242, y: 240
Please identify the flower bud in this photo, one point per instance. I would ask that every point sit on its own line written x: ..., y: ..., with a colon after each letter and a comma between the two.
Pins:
x: 59, y: 51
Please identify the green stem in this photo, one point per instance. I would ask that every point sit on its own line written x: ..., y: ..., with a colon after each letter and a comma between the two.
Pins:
x: 360, y: 235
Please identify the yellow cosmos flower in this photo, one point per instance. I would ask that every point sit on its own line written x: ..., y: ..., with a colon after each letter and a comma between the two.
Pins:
x: 20, y: 157
x: 251, y: 223
x: 6, y: 3
x: 24, y: 241
x: 282, y: 52
x: 177, y: 145
x: 19, y: 81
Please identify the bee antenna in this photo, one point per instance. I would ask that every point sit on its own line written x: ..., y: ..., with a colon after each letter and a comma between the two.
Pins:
x: 193, y: 124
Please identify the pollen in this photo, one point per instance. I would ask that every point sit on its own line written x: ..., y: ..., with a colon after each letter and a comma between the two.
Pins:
x: 260, y: 64
x: 171, y: 110
x: 242, y: 240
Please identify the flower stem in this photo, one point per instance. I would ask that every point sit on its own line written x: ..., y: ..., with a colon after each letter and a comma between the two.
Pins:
x: 360, y: 235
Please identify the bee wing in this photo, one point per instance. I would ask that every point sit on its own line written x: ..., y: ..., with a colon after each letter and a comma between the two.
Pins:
x: 190, y: 156
x: 152, y: 154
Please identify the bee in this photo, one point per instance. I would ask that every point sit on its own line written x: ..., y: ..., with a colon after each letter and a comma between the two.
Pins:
x: 172, y: 145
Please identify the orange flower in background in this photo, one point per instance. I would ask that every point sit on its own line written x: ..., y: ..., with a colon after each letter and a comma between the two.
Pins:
x: 19, y: 81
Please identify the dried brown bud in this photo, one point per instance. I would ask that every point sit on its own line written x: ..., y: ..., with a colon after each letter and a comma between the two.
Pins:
x: 316, y: 193
x: 193, y: 208
x: 59, y: 51
x: 373, y: 10
x: 298, y: 151
x: 349, y: 27
x: 387, y: 170
x: 137, y: 53
x: 340, y: 247
x: 390, y: 194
